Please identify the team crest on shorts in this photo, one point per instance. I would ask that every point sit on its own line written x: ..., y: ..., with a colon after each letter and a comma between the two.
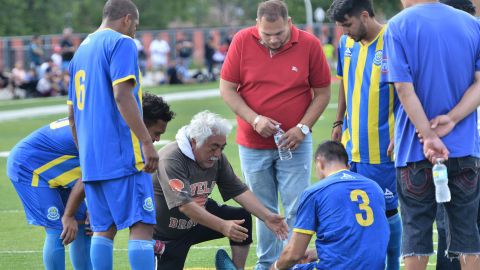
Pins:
x: 148, y: 204
x: 53, y: 213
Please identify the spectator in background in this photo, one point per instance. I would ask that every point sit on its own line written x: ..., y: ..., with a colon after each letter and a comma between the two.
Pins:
x: 142, y: 56
x: 36, y: 53
x: 159, y: 50
x: 209, y: 51
x: 56, y: 56
x: 184, y: 56
x: 68, y: 49
x: 49, y: 84
x: 172, y: 74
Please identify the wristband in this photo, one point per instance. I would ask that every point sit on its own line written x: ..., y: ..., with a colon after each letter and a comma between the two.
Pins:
x: 275, y: 266
x: 255, y: 122
x: 337, y: 123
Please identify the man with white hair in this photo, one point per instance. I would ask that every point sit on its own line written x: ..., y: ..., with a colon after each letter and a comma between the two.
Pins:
x: 188, y: 170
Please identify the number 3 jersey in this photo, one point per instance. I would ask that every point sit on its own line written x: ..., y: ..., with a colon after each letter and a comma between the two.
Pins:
x: 346, y: 211
x: 46, y: 158
x: 108, y: 148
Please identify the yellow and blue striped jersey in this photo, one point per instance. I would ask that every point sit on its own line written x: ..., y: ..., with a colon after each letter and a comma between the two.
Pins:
x: 370, y: 104
x: 46, y: 158
x: 108, y: 147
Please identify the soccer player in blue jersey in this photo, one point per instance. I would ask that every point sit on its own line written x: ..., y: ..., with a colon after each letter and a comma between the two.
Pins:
x: 346, y: 211
x: 432, y: 55
x: 366, y: 107
x: 116, y: 151
x: 43, y: 168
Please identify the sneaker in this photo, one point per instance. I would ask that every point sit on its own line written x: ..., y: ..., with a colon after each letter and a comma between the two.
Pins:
x: 223, y: 261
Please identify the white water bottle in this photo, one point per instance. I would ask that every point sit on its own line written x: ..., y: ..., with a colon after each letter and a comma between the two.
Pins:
x: 440, y: 179
x: 283, y: 152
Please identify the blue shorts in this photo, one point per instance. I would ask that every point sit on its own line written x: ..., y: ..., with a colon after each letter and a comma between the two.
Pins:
x: 385, y: 176
x: 45, y: 206
x: 121, y: 202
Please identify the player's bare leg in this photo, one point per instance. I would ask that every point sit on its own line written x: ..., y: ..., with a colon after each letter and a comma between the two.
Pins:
x: 416, y: 262
x: 140, y: 246
x: 239, y: 255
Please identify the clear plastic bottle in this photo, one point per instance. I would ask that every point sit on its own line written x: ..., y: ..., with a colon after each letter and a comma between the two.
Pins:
x: 440, y: 179
x: 284, y: 153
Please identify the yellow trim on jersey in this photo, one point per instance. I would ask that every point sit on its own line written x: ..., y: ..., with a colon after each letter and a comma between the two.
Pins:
x: 59, y: 124
x: 337, y: 172
x: 303, y: 231
x: 37, y: 172
x: 356, y: 95
x: 129, y: 77
x: 66, y: 178
x: 139, y: 164
x: 391, y: 115
x: 345, y: 137
x: 373, y: 108
x: 69, y: 102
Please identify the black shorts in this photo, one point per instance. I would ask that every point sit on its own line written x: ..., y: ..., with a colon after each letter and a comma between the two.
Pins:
x: 176, y: 250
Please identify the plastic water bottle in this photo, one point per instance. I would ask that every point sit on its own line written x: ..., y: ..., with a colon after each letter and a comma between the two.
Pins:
x: 440, y: 179
x: 283, y: 152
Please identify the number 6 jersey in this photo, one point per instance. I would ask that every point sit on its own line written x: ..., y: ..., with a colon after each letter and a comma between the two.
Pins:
x: 108, y: 148
x: 346, y: 211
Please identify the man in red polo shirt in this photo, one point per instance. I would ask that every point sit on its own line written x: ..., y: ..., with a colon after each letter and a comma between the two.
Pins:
x: 275, y: 74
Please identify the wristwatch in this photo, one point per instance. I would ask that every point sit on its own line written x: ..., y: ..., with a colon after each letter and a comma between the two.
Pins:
x: 304, y: 128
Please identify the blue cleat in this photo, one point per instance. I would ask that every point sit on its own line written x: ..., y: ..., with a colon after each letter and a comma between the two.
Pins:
x: 223, y: 261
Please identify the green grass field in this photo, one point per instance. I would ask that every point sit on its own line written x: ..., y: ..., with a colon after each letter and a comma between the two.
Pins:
x: 21, y: 244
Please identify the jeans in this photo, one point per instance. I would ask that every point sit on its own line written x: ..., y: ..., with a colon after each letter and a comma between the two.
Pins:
x: 267, y: 175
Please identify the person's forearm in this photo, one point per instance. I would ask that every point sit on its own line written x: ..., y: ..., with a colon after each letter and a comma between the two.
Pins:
x: 77, y: 195
x: 201, y: 216
x: 342, y: 105
x: 288, y: 258
x: 252, y: 205
x: 229, y: 93
x: 127, y: 105
x: 469, y: 102
x: 414, y: 109
x: 321, y: 97
x: 71, y: 121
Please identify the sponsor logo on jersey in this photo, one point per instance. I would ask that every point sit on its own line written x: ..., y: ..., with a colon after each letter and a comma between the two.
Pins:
x: 148, y: 204
x: 53, y: 213
x: 388, y: 194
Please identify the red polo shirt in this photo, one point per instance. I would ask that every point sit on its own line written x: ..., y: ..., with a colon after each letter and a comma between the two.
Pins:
x: 277, y: 86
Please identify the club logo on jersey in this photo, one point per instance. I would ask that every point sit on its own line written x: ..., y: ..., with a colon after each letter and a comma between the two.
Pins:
x: 176, y: 185
x: 378, y: 59
x: 148, y: 204
x: 388, y: 194
x: 53, y: 213
x: 348, y: 53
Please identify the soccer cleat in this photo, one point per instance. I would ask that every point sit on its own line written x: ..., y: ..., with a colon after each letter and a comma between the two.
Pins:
x: 223, y: 261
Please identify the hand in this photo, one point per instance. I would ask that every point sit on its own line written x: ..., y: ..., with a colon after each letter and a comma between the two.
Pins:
x: 151, y: 157
x: 266, y: 126
x: 292, y: 138
x: 277, y: 225
x: 310, y: 256
x: 70, y: 228
x: 337, y: 133
x: 433, y: 148
x: 234, y: 231
x: 442, y: 125
x: 390, y: 148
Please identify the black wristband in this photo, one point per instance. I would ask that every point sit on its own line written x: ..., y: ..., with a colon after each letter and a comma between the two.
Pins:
x: 337, y: 123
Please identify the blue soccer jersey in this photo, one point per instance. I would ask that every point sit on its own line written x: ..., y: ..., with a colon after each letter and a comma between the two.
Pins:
x: 108, y: 148
x: 346, y: 211
x: 46, y: 158
x: 441, y: 68
x: 369, y: 118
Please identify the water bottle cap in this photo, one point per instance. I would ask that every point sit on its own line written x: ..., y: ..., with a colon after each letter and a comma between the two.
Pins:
x: 440, y: 160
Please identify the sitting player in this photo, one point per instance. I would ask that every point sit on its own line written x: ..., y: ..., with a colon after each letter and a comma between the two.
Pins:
x: 346, y: 211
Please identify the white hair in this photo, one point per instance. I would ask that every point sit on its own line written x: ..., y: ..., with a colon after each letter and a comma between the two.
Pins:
x: 205, y: 124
